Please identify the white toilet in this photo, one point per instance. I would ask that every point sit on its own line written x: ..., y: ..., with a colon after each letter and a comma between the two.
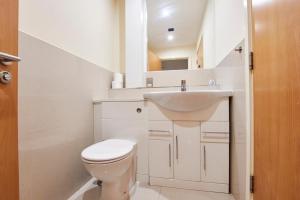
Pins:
x: 113, y: 162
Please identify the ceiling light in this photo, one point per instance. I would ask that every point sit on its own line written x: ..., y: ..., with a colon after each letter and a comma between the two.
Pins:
x: 170, y: 37
x: 165, y: 13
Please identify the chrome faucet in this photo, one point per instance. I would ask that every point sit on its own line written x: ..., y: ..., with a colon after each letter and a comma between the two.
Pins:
x: 183, y: 85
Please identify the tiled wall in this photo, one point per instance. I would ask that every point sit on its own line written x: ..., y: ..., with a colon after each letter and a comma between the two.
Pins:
x: 56, y: 92
x: 121, y: 120
x: 197, y: 77
x: 232, y: 74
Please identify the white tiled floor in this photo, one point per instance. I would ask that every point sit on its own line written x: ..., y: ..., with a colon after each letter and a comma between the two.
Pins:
x: 145, y: 192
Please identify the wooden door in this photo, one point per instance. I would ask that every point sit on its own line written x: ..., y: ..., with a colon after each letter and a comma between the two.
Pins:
x: 9, y: 189
x: 187, y: 152
x: 276, y: 76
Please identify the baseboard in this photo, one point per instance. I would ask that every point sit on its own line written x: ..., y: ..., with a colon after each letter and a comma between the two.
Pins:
x: 90, y: 184
x: 190, y: 185
x: 142, y: 178
x: 82, y: 190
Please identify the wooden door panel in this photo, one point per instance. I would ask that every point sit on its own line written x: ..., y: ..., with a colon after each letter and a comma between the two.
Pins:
x: 276, y: 36
x: 9, y: 189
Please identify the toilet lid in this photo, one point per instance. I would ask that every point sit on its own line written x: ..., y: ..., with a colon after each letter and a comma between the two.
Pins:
x: 107, y: 150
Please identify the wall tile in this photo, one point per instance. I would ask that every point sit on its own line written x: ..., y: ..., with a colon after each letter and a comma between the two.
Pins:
x: 56, y: 92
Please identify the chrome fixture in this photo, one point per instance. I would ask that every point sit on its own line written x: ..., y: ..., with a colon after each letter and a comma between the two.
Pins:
x: 239, y: 49
x: 177, y: 155
x: 183, y: 85
x: 5, y: 77
x: 138, y: 110
x: 170, y: 156
x: 149, y: 82
x: 212, y: 82
x: 7, y: 59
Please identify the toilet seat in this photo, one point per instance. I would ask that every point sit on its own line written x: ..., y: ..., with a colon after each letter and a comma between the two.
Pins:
x: 107, y: 151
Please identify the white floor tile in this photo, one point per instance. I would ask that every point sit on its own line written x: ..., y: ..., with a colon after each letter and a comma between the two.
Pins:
x: 92, y: 194
x: 180, y: 194
x: 146, y: 192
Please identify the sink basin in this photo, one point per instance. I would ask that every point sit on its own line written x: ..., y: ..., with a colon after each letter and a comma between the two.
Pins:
x: 188, y: 101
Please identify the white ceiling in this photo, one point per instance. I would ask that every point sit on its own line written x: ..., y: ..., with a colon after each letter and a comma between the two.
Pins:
x: 183, y: 15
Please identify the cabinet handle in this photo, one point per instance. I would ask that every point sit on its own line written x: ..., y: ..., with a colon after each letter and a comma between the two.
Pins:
x: 177, y: 147
x: 170, y: 164
x: 159, y: 131
x: 204, y: 157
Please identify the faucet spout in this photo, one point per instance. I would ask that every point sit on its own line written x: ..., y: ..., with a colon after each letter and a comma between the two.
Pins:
x: 183, y: 85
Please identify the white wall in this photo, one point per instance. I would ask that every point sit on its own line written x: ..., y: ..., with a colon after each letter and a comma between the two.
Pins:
x: 56, y: 92
x: 208, y: 34
x: 232, y: 73
x: 64, y: 45
x: 222, y: 29
x: 179, y: 52
x: 135, y: 42
x: 87, y: 29
x: 230, y: 26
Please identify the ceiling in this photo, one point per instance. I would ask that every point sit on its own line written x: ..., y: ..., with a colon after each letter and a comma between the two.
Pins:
x: 183, y: 15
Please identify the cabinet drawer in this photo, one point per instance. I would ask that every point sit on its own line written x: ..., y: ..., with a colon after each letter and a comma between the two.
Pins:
x: 160, y: 128
x: 215, y: 127
x: 215, y: 137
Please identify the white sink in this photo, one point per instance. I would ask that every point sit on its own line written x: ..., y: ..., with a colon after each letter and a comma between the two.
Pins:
x: 188, y: 101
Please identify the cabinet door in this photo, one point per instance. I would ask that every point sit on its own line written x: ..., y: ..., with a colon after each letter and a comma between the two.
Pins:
x: 215, y: 163
x: 187, y: 151
x: 161, y: 158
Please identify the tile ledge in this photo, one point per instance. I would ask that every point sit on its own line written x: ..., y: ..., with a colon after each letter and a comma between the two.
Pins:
x: 99, y: 101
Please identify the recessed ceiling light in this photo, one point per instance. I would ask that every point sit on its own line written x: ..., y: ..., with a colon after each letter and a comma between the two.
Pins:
x: 165, y: 12
x: 170, y: 37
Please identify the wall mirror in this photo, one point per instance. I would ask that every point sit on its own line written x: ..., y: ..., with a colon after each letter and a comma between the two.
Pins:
x: 162, y: 35
x: 174, y: 39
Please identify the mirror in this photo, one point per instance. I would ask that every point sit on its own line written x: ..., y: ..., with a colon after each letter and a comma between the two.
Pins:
x: 162, y: 35
x: 174, y: 39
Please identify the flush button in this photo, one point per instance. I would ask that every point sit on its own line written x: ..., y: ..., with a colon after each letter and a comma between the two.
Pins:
x: 138, y: 110
x: 5, y: 77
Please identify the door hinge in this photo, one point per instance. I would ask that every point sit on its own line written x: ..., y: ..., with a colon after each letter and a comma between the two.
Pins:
x: 252, y: 184
x: 251, y: 61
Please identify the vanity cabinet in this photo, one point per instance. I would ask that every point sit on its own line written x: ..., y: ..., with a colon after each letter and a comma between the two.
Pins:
x: 188, y: 153
x: 161, y: 149
x: 215, y: 162
x: 161, y: 158
x: 187, y: 150
x: 215, y: 152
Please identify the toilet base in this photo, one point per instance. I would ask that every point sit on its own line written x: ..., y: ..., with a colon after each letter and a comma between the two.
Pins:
x: 113, y: 191
x: 118, y: 190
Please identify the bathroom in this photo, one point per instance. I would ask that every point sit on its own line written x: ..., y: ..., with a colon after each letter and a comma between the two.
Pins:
x: 147, y: 100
